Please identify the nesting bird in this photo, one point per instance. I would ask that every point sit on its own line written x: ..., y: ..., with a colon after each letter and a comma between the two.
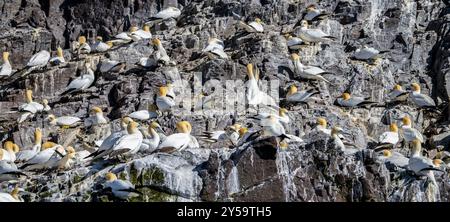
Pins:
x: 313, y: 13
x: 120, y: 188
x: 167, y: 13
x: 398, y: 94
x: 421, y: 100
x: 29, y: 108
x: 152, y: 138
x: 181, y: 140
x: 254, y: 26
x: 63, y: 121
x: 409, y: 133
x: 164, y: 102
x: 81, y: 46
x: 100, y: 46
x: 143, y: 115
x: 83, y: 81
x: 420, y: 165
x: 231, y: 133
x: 59, y: 58
x: 27, y: 154
x: 8, y: 153
x: 313, y: 35
x: 160, y: 53
x: 389, y: 138
x: 97, y: 118
x: 215, y: 47
x: 302, y: 96
x: 307, y: 72
x: 393, y: 157
x: 294, y: 43
x: 5, y: 68
x: 367, y: 53
x: 346, y: 100
x: 142, y: 33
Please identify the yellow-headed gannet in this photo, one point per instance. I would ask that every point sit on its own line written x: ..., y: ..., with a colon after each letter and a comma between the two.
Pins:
x: 8, y: 153
x: 337, y: 138
x: 128, y: 143
x: 302, y: 96
x: 167, y: 13
x: 39, y: 59
x: 307, y: 72
x: 41, y: 160
x: 231, y: 133
x: 215, y: 47
x: 253, y: 94
x: 124, y: 37
x: 152, y: 138
x: 83, y: 81
x: 82, y: 47
x: 294, y: 43
x: 282, y: 116
x: 181, y: 140
x: 410, y: 133
x: 420, y: 165
x: 96, y: 118
x: 100, y: 46
x: 47, y: 108
x: 313, y: 35
x: 421, y: 100
x: 394, y: 158
x: 322, y: 126
x: 59, y: 58
x: 346, y: 100
x: 272, y: 126
x: 160, y: 53
x: 142, y: 33
x: 108, y: 65
x: 254, y: 26
x: 164, y: 102
x: 121, y: 189
x: 367, y: 53
x: 68, y: 160
x: 389, y: 138
x: 25, y: 155
x: 10, y: 197
x: 5, y: 68
x: 63, y: 121
x: 29, y: 108
x: 312, y: 13
x: 397, y: 94
x: 143, y: 115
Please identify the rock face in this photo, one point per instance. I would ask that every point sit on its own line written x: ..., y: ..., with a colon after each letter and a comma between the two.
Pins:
x: 416, y: 33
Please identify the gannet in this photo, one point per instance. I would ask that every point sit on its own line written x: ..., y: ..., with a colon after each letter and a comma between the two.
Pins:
x: 181, y: 140
x: 47, y: 108
x: 82, y: 47
x: 294, y: 43
x: 111, y: 140
x: 254, y: 26
x: 83, y: 81
x: 8, y: 153
x: 337, y: 138
x: 100, y: 46
x: 167, y: 13
x: 10, y: 197
x: 231, y: 133
x: 128, y: 143
x: 367, y: 53
x: 394, y: 158
x: 151, y: 141
x: 253, y: 94
x: 124, y: 37
x: 5, y: 68
x: 108, y: 65
x: 67, y: 161
x: 215, y: 46
x: 25, y: 155
x: 307, y: 72
x: 299, y: 96
x: 389, y: 138
x: 59, y: 58
x: 346, y: 100
x: 29, y: 108
x: 397, y: 94
x: 313, y: 35
x: 160, y: 53
x: 164, y: 102
x: 420, y: 165
x: 438, y: 163
x: 282, y: 116
x: 96, y: 118
x: 147, y: 62
x: 421, y: 100
x: 63, y: 121
x: 143, y: 33
x: 410, y: 133
x: 143, y: 115
x: 272, y: 126
x: 312, y: 13
x: 122, y: 189
x: 322, y: 126
x: 9, y: 171
x: 41, y: 159
x: 39, y: 59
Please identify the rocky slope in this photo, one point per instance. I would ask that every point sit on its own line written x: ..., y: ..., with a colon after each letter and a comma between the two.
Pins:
x: 416, y: 33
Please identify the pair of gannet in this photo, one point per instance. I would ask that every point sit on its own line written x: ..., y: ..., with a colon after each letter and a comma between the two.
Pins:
x: 83, y: 81
x: 253, y: 94
x: 231, y: 133
x: 124, y: 37
x: 143, y: 115
x: 313, y: 35
x: 81, y: 46
x: 9, y: 171
x: 307, y: 72
x: 63, y: 121
x: 312, y: 13
x: 322, y: 127
x: 420, y: 165
x: 163, y: 101
x: 254, y: 26
x: 215, y: 47
x: 121, y: 189
x: 59, y: 58
x: 8, y: 153
x: 302, y: 96
x: 29, y: 108
x: 410, y: 133
x: 152, y: 138
x: 100, y: 46
x: 346, y: 100
x: 26, y: 154
x: 5, y: 68
x: 181, y: 140
x: 10, y: 197
x: 165, y: 14
x: 96, y: 118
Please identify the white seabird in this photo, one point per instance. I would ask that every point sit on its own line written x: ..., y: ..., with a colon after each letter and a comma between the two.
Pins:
x: 409, y: 133
x: 63, y: 121
x: 97, y: 118
x: 121, y: 189
x: 143, y: 115
x: 163, y: 102
x: 27, y: 154
x: 83, y: 81
x: 302, y: 96
x: 346, y: 100
x: 5, y: 68
x: 421, y: 100
x: 307, y: 72
x: 180, y: 140
x: 59, y: 58
x: 313, y: 35
x: 420, y: 165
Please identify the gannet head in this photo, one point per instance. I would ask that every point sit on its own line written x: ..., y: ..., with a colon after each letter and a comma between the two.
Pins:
x: 110, y: 44
x: 9, y: 146
x: 292, y: 90
x: 387, y: 153
x: 156, y: 42
x: 82, y: 40
x: 184, y: 127
x: 393, y: 128
x: 322, y: 122
x: 397, y: 87
x: 242, y: 131
x: 258, y: 20
x: 415, y: 87
x: 16, y: 148
x: 99, y: 39
x: 346, y: 96
x: 416, y: 147
x: 406, y: 121
x: 51, y: 118
x: 163, y: 91
x: 96, y: 110
x: 282, y: 112
x: 70, y: 150
x: 48, y: 145
x: 250, y: 71
x: 5, y: 56
x: 110, y: 176
x: 124, y: 122
x: 29, y: 96
x: 59, y: 52
x: 437, y: 162
x: 304, y: 24
x: 283, y: 145
x: 295, y: 57
x: 311, y: 7
x: 45, y: 102
x: 133, y: 28
x: 335, y: 130
x: 155, y: 125
x: 146, y: 28
x: 132, y: 127
x: 37, y: 136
